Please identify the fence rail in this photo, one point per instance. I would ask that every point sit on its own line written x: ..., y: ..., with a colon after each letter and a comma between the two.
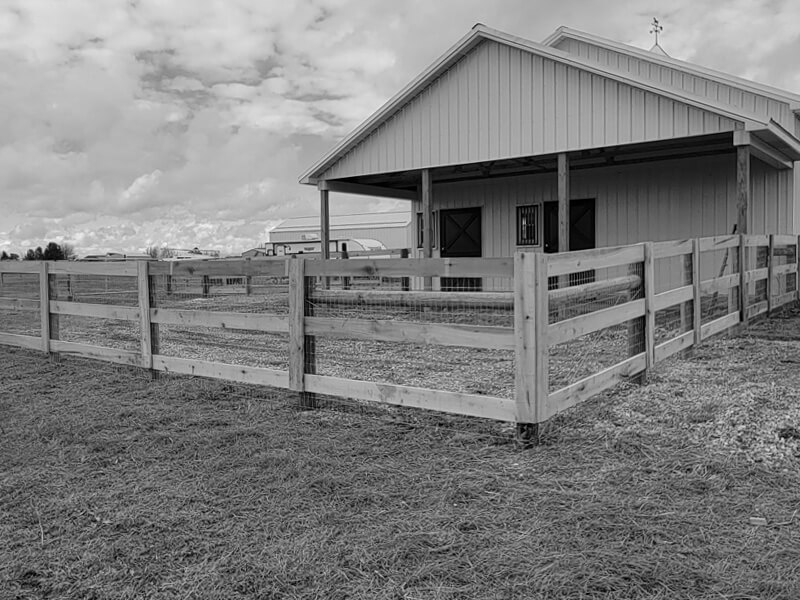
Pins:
x: 570, y: 325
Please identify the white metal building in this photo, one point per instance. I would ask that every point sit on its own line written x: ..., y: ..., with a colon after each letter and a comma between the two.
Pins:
x: 393, y: 229
x: 577, y: 142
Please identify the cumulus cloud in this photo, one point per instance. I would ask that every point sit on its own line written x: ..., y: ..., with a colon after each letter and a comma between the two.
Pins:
x: 126, y: 124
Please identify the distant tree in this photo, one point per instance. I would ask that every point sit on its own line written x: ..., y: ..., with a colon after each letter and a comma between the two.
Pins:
x: 29, y: 255
x: 69, y: 251
x: 53, y: 252
x: 38, y: 254
x: 5, y: 256
x: 166, y: 252
x: 152, y: 251
x: 13, y: 256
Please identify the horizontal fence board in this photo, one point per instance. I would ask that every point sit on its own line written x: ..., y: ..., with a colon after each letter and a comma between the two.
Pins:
x: 414, y: 267
x: 383, y: 253
x: 756, y: 275
x: 473, y: 336
x: 25, y: 266
x: 567, y: 330
x: 221, y: 267
x: 22, y: 341
x: 719, y: 325
x: 221, y: 320
x: 407, y: 299
x: 784, y: 269
x: 22, y: 304
x: 99, y: 311
x: 675, y: 345
x: 113, y: 269
x: 113, y: 355
x: 756, y: 240
x: 587, y: 291
x: 719, y: 284
x: 756, y: 309
x: 670, y: 249
x: 598, y: 258
x: 782, y: 299
x: 673, y: 297
x: 474, y: 405
x: 782, y: 239
x: 589, y: 386
x: 719, y: 242
x: 213, y: 370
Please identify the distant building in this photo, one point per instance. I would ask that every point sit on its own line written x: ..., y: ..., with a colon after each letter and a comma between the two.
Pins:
x: 392, y: 229
x: 114, y: 256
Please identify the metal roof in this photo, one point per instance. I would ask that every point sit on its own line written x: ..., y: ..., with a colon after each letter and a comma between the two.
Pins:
x: 355, y: 221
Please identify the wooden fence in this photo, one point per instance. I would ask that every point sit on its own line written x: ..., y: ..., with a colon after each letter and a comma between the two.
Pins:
x: 649, y: 317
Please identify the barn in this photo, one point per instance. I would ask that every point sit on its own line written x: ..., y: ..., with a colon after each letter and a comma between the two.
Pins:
x: 504, y: 144
x: 392, y: 228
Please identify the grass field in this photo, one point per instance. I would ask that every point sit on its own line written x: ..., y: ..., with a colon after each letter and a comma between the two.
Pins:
x: 115, y: 486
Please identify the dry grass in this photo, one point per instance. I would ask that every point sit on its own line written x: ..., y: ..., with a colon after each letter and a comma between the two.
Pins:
x: 113, y: 486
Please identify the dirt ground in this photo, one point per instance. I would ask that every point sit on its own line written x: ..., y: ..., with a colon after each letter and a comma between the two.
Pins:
x: 116, y: 486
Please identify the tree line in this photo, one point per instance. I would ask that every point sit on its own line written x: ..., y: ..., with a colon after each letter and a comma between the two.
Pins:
x: 52, y: 251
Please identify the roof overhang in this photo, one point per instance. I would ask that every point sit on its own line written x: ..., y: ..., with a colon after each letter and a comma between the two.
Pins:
x: 772, y: 144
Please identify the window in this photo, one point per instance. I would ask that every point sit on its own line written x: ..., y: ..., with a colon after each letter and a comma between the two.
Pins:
x: 528, y: 225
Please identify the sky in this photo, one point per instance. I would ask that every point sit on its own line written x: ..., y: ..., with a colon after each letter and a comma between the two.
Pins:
x: 126, y: 124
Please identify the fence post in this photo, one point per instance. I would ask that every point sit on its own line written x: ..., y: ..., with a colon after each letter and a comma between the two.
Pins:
x: 302, y: 348
x: 637, y: 331
x: 531, y: 353
x: 649, y: 277
x: 44, y: 304
x: 743, y: 281
x: 697, y: 301
x: 148, y: 329
x: 770, y: 272
x: 797, y: 264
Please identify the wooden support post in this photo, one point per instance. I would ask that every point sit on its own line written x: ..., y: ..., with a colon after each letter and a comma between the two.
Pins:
x: 636, y: 326
x: 324, y: 224
x: 345, y: 278
x: 427, y: 222
x: 248, y: 283
x: 687, y: 260
x: 563, y: 211
x: 743, y: 188
x: 697, y: 319
x: 206, y: 286
x: 649, y: 278
x: 301, y: 347
x: 146, y: 327
x: 797, y: 273
x: 770, y: 272
x: 742, y: 281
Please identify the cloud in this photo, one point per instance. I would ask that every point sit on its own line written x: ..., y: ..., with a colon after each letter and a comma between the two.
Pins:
x: 128, y: 123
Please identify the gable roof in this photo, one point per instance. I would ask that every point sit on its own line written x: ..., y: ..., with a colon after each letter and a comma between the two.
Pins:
x: 563, y: 33
x: 478, y: 34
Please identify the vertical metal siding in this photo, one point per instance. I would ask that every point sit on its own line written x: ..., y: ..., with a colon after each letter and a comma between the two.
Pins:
x: 756, y: 103
x: 500, y: 102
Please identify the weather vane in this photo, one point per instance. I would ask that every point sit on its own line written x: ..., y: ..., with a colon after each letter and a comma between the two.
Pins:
x: 656, y: 28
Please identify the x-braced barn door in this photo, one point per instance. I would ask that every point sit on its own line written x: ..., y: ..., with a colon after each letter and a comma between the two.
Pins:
x: 581, y: 231
x: 460, y: 235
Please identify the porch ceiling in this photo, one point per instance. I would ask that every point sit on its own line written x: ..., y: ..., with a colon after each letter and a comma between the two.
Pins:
x: 527, y: 165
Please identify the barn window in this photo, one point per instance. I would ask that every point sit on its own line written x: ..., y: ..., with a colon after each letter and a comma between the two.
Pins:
x: 528, y: 225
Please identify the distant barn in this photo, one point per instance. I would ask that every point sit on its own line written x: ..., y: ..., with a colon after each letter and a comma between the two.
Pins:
x: 393, y: 229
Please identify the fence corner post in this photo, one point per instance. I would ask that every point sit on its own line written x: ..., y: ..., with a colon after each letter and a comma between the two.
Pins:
x: 697, y: 301
x: 530, y: 331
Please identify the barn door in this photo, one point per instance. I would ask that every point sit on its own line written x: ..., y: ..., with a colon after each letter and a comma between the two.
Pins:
x: 460, y: 235
x: 582, y: 220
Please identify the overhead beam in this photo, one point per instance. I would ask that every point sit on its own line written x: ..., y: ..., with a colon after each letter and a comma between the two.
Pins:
x: 347, y: 187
